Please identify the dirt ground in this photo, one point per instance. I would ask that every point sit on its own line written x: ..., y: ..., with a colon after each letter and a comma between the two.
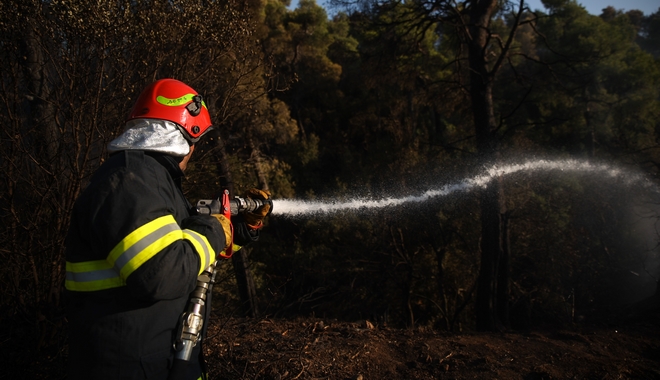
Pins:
x: 625, y: 348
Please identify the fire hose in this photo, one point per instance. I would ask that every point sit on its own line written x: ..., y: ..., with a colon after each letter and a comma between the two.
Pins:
x: 191, y: 323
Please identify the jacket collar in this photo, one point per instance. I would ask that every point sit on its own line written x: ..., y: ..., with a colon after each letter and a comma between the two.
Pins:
x: 171, y: 164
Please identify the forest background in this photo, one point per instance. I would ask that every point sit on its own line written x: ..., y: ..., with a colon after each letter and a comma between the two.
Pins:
x: 385, y: 99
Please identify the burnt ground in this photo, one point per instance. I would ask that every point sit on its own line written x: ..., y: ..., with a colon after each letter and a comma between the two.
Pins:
x: 623, y: 347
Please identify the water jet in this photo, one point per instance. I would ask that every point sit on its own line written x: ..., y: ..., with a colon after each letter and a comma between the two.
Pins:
x: 293, y: 208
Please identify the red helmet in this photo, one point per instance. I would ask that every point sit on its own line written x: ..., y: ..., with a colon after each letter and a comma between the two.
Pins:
x: 173, y: 100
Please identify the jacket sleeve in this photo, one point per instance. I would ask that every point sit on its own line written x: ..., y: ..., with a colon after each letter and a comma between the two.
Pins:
x: 207, y: 226
x: 139, y: 226
x: 172, y: 271
x: 242, y: 234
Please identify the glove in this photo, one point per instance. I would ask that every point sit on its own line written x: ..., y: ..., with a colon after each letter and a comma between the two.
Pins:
x: 255, y: 219
x: 226, y: 227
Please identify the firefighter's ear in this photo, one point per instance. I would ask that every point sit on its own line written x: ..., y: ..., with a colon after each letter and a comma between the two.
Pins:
x: 184, y: 161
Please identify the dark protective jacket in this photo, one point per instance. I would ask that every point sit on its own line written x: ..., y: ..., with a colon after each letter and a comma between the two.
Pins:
x: 133, y: 254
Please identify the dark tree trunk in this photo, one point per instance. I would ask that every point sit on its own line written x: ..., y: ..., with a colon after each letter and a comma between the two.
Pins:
x: 258, y: 166
x: 503, y: 287
x: 440, y: 254
x: 40, y: 110
x: 244, y: 280
x: 491, y: 252
x: 492, y: 200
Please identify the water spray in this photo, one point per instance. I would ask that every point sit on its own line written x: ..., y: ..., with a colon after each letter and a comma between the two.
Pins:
x: 298, y: 208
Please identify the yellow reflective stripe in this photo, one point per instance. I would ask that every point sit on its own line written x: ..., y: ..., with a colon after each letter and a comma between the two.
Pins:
x: 91, y: 276
x: 181, y: 100
x: 144, y: 243
x: 127, y: 256
x: 202, y: 247
x: 235, y: 247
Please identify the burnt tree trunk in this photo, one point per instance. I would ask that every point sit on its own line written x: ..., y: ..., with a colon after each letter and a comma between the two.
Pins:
x: 440, y: 254
x: 40, y: 110
x: 248, y: 289
x: 491, y: 197
x: 503, y: 287
x: 258, y: 166
x: 244, y: 280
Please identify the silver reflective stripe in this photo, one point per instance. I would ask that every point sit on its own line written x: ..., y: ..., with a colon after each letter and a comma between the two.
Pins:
x: 91, y: 275
x: 203, y: 243
x: 99, y: 274
x: 127, y: 256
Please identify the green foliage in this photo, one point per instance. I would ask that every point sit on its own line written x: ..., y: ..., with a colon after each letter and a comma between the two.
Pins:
x: 590, y: 74
x: 649, y: 34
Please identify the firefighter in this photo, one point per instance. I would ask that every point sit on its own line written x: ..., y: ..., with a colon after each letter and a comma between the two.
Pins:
x: 135, y: 247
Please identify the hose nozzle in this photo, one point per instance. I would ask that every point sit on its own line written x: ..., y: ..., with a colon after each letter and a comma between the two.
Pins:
x: 237, y: 205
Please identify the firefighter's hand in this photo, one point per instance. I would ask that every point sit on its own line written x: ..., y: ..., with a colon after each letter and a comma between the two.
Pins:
x: 255, y: 219
x: 226, y: 227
